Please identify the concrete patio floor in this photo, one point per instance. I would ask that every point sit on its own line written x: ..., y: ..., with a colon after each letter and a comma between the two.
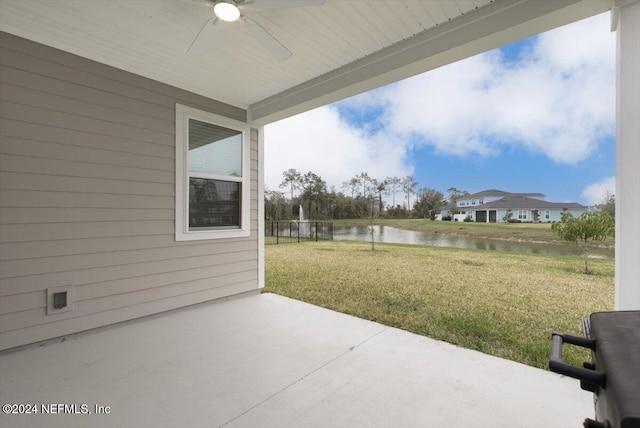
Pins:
x: 269, y: 361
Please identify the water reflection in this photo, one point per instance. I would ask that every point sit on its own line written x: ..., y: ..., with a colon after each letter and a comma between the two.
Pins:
x: 393, y: 235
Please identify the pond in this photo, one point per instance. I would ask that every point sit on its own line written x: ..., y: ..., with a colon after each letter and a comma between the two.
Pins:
x: 388, y: 234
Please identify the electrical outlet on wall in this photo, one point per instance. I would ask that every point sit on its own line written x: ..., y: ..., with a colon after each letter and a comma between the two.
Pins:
x: 60, y: 299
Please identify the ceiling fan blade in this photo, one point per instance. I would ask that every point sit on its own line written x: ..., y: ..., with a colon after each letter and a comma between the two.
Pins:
x: 206, y: 38
x: 266, y: 39
x: 262, y: 5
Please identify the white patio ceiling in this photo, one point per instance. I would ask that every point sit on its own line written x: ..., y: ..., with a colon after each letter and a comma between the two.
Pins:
x: 340, y: 48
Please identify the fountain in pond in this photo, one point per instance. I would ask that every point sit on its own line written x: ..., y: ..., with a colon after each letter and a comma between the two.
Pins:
x: 303, y: 225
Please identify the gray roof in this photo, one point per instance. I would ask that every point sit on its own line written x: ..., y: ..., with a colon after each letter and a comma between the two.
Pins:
x: 495, y: 192
x: 517, y: 201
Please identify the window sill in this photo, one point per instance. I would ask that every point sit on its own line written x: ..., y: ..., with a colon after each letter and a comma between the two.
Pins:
x: 212, y: 234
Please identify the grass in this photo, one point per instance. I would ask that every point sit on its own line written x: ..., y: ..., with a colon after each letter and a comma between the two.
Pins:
x: 529, y: 232
x: 503, y: 304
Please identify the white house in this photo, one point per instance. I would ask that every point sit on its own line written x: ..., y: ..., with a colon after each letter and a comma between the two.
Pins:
x: 491, y: 206
x: 107, y: 213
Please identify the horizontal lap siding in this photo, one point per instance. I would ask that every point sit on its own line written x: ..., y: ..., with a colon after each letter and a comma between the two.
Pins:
x: 87, y: 188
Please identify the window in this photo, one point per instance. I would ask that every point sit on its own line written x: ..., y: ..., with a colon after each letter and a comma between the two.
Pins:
x: 547, y: 215
x: 522, y: 215
x: 212, y: 176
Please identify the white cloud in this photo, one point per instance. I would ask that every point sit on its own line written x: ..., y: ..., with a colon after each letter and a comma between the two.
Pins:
x: 595, y: 193
x: 557, y: 100
x: 319, y: 141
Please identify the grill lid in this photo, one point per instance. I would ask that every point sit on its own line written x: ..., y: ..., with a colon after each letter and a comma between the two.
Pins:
x: 617, y: 354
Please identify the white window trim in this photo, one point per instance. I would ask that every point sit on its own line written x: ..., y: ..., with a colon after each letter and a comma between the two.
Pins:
x: 183, y: 114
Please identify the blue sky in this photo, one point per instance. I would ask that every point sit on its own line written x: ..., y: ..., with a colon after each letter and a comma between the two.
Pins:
x: 534, y: 116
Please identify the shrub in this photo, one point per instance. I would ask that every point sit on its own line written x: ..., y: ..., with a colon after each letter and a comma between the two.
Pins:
x: 589, y: 226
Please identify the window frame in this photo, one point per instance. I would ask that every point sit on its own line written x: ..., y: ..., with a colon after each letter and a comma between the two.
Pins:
x: 182, y: 232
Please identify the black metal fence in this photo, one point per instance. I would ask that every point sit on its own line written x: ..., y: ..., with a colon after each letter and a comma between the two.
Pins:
x: 283, y: 232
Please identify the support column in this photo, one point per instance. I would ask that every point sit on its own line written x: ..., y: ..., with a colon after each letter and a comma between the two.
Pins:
x: 261, y: 224
x: 627, y: 295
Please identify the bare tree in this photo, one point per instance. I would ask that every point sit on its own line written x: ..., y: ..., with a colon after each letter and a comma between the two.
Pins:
x: 351, y: 184
x: 409, y: 187
x: 608, y: 204
x: 394, y: 184
x: 371, y: 191
x: 365, y: 181
x: 293, y: 179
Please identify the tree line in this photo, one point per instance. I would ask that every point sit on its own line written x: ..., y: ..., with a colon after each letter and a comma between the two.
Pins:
x: 361, y: 196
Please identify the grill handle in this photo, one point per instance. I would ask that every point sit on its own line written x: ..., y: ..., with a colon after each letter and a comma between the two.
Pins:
x: 585, y: 375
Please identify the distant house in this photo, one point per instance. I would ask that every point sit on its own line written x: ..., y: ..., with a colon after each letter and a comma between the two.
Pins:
x: 491, y: 206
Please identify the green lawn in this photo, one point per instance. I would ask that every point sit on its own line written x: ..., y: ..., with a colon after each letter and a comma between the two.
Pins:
x: 504, y: 304
x: 511, y: 231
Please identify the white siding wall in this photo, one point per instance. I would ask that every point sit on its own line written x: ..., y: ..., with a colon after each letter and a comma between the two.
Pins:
x: 87, y: 198
x: 554, y: 214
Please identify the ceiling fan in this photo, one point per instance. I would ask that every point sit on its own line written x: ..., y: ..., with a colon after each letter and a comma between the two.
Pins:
x: 237, y: 11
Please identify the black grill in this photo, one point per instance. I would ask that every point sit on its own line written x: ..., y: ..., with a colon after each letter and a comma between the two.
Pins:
x: 614, y: 373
